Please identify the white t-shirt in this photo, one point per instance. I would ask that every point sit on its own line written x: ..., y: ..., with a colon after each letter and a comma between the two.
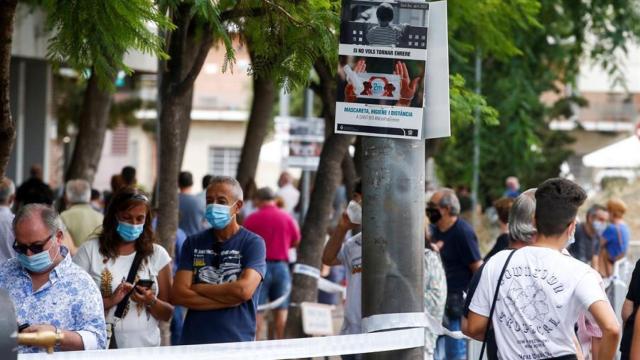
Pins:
x: 350, y: 256
x: 137, y: 328
x: 541, y: 296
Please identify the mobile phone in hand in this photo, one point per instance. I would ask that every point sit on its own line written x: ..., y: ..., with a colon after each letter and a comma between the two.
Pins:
x: 145, y: 283
x: 21, y: 327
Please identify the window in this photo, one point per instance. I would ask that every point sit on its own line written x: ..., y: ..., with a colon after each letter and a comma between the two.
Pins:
x: 224, y: 160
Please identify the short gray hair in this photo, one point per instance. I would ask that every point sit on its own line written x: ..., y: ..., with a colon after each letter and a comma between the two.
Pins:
x: 449, y: 200
x: 521, y: 216
x: 7, y: 189
x: 238, y: 194
x: 78, y: 191
x: 45, y: 213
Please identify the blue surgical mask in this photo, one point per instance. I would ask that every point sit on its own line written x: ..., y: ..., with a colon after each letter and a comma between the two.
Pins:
x: 218, y: 215
x: 129, y: 232
x: 36, y: 263
x: 599, y: 227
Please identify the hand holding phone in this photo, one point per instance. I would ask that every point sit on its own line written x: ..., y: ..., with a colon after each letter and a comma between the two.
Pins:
x: 145, y: 283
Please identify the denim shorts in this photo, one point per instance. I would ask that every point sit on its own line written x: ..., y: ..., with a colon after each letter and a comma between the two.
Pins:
x: 277, y: 283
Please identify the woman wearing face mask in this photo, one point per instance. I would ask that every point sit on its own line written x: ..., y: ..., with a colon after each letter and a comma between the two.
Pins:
x: 132, y: 272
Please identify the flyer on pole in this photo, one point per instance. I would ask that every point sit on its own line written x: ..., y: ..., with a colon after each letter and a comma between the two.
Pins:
x: 382, y: 63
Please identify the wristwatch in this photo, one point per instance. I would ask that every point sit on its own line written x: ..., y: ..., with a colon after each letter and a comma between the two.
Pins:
x: 59, y: 336
x: 150, y: 304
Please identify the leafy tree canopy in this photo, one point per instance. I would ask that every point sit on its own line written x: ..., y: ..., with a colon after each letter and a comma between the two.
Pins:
x: 536, y: 51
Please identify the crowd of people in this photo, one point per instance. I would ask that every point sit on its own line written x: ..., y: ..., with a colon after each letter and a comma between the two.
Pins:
x: 95, y: 275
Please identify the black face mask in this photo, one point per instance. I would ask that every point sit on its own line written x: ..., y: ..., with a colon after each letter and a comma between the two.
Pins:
x: 434, y: 215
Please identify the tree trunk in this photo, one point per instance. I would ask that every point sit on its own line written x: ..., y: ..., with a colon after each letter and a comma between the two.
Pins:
x: 94, y: 117
x: 187, y: 47
x: 327, y: 179
x: 7, y: 126
x: 264, y: 95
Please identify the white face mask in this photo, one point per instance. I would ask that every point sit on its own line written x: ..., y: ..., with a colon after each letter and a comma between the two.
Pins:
x: 572, y: 237
x: 354, y: 212
x: 599, y: 227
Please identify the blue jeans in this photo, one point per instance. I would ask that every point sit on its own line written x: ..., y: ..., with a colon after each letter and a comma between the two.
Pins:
x: 176, y: 325
x: 449, y: 348
x: 277, y: 282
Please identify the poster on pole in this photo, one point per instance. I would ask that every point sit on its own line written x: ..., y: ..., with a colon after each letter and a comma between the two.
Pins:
x: 382, y: 64
x: 302, y: 140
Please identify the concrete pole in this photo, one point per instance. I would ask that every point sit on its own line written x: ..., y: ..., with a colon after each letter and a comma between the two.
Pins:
x: 393, y: 231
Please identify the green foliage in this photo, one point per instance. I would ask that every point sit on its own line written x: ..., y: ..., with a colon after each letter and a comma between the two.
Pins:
x: 97, y: 34
x: 537, y: 53
x: 289, y: 37
x: 68, y: 98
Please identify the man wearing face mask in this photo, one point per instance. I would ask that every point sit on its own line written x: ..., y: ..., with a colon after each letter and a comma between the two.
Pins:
x: 458, y: 246
x: 349, y: 253
x: 534, y: 296
x: 220, y: 271
x: 588, y: 235
x: 49, y: 291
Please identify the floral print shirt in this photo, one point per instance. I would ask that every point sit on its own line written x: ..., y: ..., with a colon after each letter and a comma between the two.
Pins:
x: 70, y: 301
x: 435, y: 295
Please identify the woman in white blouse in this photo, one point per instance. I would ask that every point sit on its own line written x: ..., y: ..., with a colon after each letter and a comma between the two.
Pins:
x: 108, y: 258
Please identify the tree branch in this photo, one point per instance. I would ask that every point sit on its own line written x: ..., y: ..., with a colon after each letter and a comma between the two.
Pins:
x: 205, y: 45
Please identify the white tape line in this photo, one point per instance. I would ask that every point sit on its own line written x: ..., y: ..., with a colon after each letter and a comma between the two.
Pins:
x: 277, y: 302
x: 306, y: 270
x: 331, y: 287
x: 408, y: 320
x: 263, y: 350
x: 393, y: 321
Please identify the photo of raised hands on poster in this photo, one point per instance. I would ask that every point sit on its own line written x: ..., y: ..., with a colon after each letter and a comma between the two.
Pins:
x: 382, y: 81
x: 382, y: 65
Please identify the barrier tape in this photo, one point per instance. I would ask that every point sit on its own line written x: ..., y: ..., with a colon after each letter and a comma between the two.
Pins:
x: 264, y: 350
x: 306, y: 270
x: 408, y: 320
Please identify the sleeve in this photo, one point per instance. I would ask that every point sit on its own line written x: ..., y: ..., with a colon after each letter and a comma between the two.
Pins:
x: 295, y: 231
x: 632, y: 294
x: 483, y: 295
x: 254, y: 255
x: 473, y: 285
x: 342, y: 255
x: 186, y: 255
x: 588, y: 290
x: 160, y: 257
x: 468, y: 247
x: 82, y: 258
x: 90, y: 314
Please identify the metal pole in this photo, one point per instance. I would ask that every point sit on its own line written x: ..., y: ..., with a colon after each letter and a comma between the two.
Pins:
x: 393, y: 231
x: 476, y: 143
x: 306, y: 174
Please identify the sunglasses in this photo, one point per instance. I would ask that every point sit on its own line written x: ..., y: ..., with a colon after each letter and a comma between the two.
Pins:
x: 35, y: 248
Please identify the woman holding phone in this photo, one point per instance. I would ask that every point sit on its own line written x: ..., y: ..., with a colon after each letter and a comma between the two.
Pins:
x: 131, y: 270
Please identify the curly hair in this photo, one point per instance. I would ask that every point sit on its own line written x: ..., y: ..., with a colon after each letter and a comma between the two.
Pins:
x: 109, y: 240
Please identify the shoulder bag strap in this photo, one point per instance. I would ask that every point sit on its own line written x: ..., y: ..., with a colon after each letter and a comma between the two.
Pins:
x: 137, y: 260
x: 493, y: 304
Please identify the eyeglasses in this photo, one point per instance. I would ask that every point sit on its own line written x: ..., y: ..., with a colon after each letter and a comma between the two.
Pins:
x: 36, y: 248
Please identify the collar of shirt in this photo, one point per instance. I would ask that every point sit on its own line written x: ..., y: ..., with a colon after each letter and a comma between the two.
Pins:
x: 56, y: 274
